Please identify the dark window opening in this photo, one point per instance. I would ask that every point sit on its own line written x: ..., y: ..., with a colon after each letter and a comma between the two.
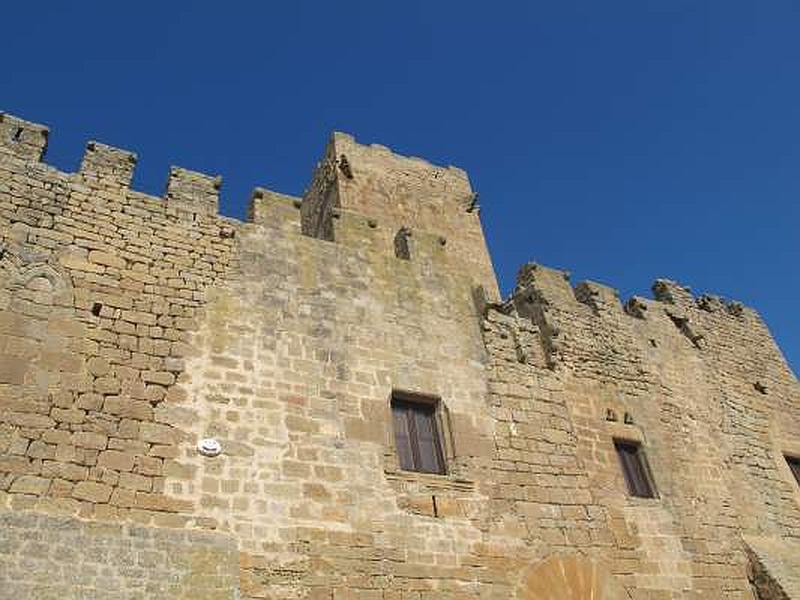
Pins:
x: 402, y: 244
x: 96, y: 308
x: 416, y: 435
x: 344, y: 167
x: 18, y: 134
x: 794, y: 466
x: 635, y: 468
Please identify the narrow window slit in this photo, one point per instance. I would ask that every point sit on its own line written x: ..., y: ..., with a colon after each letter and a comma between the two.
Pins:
x: 635, y: 469
x: 402, y: 244
x: 794, y: 466
x: 96, y: 308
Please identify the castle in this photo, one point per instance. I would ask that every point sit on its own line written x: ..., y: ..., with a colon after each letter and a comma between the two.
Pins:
x: 331, y: 401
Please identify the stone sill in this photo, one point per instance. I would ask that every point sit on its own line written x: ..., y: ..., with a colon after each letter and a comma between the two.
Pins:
x: 432, y: 481
x: 637, y: 502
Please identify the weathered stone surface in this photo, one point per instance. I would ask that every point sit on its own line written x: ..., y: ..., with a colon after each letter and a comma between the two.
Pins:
x: 92, y: 491
x: 64, y: 470
x: 88, y: 439
x: 12, y: 370
x: 63, y: 557
x: 133, y: 327
x: 28, y: 484
x: 114, y: 459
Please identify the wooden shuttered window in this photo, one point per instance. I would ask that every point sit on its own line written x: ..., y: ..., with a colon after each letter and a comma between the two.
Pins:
x: 794, y: 465
x: 416, y: 436
x: 635, y: 469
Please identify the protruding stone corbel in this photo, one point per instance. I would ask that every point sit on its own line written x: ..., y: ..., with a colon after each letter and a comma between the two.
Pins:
x: 472, y: 203
x: 636, y: 307
x: 709, y: 303
x: 735, y: 308
x: 344, y: 167
x: 671, y: 292
x: 600, y: 298
x: 681, y: 321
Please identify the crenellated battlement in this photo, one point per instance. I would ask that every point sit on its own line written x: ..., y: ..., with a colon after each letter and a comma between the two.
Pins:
x: 107, y: 165
x: 553, y: 286
x: 192, y: 191
x: 388, y: 192
x: 564, y: 314
x: 22, y: 139
x: 375, y: 181
x: 361, y: 196
x: 370, y: 180
x: 267, y: 207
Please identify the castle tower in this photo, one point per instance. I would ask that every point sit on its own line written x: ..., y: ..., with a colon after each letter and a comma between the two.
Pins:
x: 408, y: 197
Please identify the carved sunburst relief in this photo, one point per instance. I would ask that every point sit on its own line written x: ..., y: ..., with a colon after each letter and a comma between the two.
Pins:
x: 569, y: 577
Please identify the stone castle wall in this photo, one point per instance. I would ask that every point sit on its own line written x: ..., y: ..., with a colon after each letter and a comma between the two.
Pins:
x: 132, y: 326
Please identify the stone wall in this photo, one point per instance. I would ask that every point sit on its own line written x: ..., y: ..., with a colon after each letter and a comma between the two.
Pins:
x: 51, y: 558
x: 294, y: 368
x: 131, y: 327
x: 698, y: 383
x: 100, y: 287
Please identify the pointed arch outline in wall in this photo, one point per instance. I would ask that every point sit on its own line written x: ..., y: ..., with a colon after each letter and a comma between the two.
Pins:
x: 57, y: 279
x: 16, y: 275
x: 569, y: 577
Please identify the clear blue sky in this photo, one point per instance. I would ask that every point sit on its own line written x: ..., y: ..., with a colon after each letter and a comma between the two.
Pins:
x: 622, y: 140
